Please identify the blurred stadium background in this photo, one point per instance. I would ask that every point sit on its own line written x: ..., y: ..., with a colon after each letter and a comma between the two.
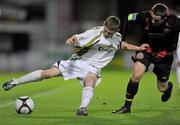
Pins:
x: 33, y: 32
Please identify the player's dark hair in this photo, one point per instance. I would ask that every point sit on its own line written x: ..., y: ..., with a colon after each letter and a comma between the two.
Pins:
x: 112, y: 23
x: 160, y: 9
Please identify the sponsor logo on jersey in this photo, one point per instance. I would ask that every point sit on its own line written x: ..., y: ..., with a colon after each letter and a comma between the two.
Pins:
x: 105, y: 48
x: 140, y: 55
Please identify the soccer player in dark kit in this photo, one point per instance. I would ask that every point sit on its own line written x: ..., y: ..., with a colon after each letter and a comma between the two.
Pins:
x: 160, y: 29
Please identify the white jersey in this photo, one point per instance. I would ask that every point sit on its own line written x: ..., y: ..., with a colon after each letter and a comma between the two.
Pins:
x: 101, y: 53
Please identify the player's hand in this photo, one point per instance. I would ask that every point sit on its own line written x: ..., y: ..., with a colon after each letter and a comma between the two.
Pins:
x: 149, y: 50
x: 71, y: 40
x: 144, y: 46
x: 161, y: 54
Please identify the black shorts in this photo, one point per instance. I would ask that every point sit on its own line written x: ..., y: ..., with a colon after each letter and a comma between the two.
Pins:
x: 162, y: 67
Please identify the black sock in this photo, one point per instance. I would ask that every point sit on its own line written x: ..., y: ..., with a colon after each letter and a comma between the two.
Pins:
x: 131, y: 91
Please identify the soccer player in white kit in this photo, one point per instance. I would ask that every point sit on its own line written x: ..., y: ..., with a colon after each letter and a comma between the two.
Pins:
x: 97, y: 47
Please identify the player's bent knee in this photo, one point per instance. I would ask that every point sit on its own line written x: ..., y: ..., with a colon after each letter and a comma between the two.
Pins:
x: 45, y: 74
x: 50, y: 73
x: 90, y: 80
x: 136, y: 77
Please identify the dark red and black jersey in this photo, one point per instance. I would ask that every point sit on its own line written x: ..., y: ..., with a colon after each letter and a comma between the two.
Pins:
x: 161, y: 37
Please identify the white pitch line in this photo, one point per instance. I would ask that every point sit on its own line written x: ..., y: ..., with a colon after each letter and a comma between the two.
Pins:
x: 6, y: 104
x: 38, y: 95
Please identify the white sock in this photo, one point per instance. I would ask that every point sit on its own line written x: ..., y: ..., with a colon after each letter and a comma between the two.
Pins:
x: 178, y: 76
x: 31, y: 77
x: 87, y: 95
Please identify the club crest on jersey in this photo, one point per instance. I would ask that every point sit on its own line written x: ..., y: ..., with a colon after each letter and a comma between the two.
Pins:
x: 140, y: 55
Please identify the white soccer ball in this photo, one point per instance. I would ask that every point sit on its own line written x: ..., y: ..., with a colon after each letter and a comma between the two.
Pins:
x: 24, y: 105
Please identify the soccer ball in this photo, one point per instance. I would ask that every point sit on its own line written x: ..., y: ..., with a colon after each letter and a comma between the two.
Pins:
x: 24, y: 105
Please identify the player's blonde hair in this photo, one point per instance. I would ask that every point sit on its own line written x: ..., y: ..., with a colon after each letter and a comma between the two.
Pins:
x: 112, y: 23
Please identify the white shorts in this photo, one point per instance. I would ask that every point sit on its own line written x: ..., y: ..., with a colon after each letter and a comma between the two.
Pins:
x: 77, y: 69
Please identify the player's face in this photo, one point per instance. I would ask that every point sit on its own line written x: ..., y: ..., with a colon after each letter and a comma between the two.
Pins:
x: 156, y: 20
x: 107, y: 33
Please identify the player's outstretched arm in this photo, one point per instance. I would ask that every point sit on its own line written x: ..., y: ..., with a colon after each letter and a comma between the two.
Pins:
x: 71, y: 40
x: 127, y: 46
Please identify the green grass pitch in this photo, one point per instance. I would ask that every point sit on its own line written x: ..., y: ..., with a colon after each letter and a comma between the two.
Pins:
x: 56, y: 102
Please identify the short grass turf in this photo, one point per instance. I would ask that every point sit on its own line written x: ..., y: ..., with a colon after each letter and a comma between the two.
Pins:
x: 56, y: 102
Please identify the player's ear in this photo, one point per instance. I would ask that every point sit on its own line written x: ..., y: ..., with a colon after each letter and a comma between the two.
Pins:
x: 150, y: 11
x: 104, y: 23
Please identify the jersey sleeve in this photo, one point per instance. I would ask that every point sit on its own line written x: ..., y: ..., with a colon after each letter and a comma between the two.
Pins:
x: 85, y: 37
x: 131, y: 19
